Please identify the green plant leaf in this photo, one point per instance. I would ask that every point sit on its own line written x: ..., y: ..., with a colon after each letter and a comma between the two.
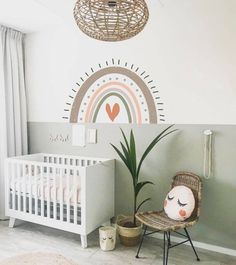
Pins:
x: 163, y: 136
x: 133, y: 154
x: 122, y: 157
x: 128, y: 159
x: 152, y: 144
x: 140, y: 185
x: 141, y: 204
x: 126, y: 141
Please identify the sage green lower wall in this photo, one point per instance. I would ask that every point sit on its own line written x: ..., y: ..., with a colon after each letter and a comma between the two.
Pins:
x: 181, y: 151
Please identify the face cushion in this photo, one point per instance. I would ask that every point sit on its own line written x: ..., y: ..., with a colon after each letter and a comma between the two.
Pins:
x: 179, y: 203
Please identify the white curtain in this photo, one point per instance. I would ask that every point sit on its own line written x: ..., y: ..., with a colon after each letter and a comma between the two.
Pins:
x: 13, y: 116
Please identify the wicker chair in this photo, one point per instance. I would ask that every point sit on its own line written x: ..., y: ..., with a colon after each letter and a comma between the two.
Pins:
x: 160, y: 222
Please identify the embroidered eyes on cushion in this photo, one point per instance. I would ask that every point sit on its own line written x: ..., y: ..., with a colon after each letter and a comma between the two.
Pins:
x: 179, y: 203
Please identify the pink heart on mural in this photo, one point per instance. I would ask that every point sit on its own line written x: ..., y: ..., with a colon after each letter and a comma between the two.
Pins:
x: 114, y: 112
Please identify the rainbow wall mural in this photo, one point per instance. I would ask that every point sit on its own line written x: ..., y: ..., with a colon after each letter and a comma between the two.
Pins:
x: 115, y: 94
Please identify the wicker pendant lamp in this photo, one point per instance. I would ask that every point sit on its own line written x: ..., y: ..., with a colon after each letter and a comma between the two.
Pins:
x: 111, y: 20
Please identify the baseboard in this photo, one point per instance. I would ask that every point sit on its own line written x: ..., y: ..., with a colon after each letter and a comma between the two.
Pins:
x: 222, y: 250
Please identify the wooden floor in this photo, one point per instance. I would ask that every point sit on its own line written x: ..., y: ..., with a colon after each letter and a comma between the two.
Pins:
x: 26, y: 237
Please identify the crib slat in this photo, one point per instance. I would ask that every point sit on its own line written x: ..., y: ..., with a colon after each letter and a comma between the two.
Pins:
x: 36, y: 174
x: 54, y: 193
x: 9, y: 171
x: 8, y: 185
x: 8, y: 181
x: 42, y: 190
x: 24, y: 186
x: 61, y: 193
x: 68, y: 195
x: 75, y: 189
x: 13, y: 186
x: 48, y: 192
x: 19, y: 186
x: 31, y: 167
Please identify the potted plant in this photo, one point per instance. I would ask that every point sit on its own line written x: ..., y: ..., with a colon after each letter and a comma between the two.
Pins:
x: 129, y: 229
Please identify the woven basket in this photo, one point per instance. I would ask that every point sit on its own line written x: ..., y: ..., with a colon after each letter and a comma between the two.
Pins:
x: 129, y: 236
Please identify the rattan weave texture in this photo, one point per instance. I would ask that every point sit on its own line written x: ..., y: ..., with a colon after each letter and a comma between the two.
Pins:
x: 111, y: 20
x: 160, y: 221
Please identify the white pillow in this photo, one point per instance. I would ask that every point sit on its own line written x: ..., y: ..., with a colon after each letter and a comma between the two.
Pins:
x: 179, y: 203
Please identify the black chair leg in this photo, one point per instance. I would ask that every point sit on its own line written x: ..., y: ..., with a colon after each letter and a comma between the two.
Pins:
x: 186, y: 231
x: 141, y: 242
x: 168, y: 246
x: 169, y: 242
x: 164, y: 249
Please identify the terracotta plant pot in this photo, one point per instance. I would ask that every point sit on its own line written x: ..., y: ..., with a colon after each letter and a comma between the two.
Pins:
x: 129, y: 236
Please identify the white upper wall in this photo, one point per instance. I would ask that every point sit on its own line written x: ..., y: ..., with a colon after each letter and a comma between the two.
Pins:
x: 187, y: 47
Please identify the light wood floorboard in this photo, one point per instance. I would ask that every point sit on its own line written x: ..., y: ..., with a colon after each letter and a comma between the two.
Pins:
x: 27, y: 237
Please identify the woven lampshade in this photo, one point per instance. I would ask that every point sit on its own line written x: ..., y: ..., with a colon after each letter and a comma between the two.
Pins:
x: 111, y: 20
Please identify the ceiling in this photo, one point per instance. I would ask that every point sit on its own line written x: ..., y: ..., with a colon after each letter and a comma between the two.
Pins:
x: 34, y: 15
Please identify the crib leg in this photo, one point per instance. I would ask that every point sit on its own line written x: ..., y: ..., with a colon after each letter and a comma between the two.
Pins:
x: 83, y: 239
x: 12, y: 222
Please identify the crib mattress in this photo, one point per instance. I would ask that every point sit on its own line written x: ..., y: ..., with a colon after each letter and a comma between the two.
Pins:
x: 42, y: 192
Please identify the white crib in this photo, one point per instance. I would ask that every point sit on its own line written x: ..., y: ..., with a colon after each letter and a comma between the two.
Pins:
x: 71, y: 193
